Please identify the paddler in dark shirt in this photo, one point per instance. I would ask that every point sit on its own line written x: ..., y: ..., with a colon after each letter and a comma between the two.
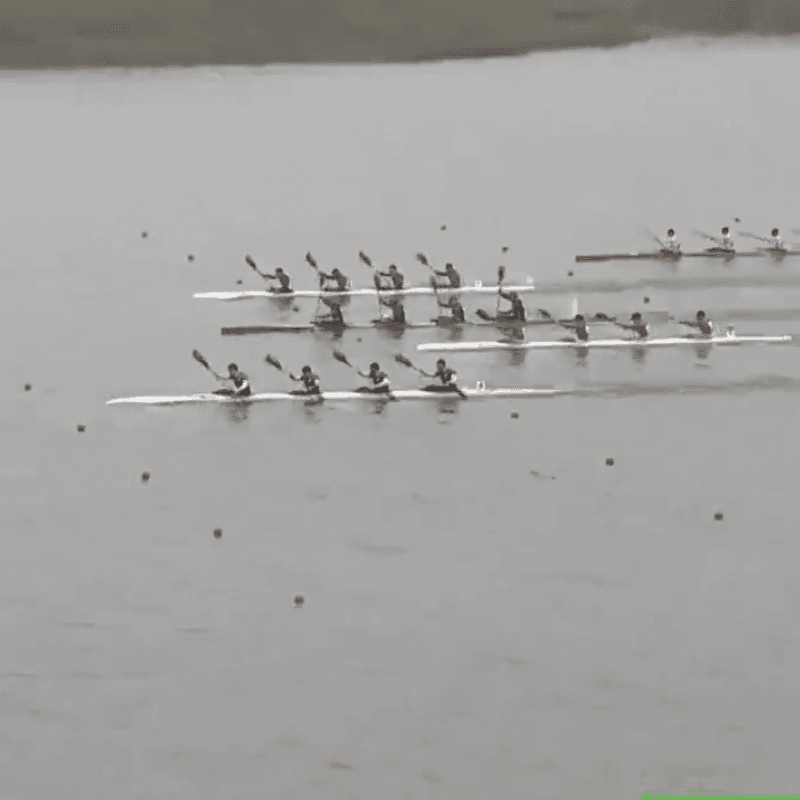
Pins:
x: 395, y: 276
x: 637, y: 325
x: 398, y: 311
x: 447, y: 377
x: 578, y: 325
x: 336, y: 275
x: 285, y: 281
x: 705, y: 326
x: 451, y: 273
x: 379, y: 380
x: 240, y: 381
x: 310, y: 382
x: 517, y: 311
x: 456, y: 310
x: 334, y: 315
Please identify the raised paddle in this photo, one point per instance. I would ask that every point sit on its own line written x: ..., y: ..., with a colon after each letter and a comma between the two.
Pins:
x: 197, y: 356
x: 253, y: 265
x: 501, y: 273
x: 401, y: 359
x: 655, y: 238
x: 753, y: 236
x: 703, y: 235
x: 375, y: 277
x: 272, y: 361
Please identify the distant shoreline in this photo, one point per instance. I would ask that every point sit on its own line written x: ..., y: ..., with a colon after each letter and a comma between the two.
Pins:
x: 244, y: 32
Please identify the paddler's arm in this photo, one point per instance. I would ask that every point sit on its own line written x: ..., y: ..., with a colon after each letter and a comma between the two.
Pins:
x: 689, y: 322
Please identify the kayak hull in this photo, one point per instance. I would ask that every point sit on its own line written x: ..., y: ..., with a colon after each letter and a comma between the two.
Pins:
x: 400, y: 394
x: 610, y: 344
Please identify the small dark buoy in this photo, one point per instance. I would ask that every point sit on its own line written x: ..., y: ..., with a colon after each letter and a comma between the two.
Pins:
x: 81, y: 428
x: 609, y: 462
x: 645, y: 299
x: 145, y: 477
x: 217, y: 533
x: 569, y: 274
x: 295, y: 308
x: 191, y: 258
x: 298, y: 601
x: 505, y: 249
x: 27, y: 387
x: 514, y: 415
x: 359, y: 339
x: 444, y: 227
x: 736, y: 219
x: 239, y: 282
x: 144, y: 234
x: 717, y: 516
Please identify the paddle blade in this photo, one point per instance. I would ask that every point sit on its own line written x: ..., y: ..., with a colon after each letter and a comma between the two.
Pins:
x: 422, y: 260
x: 703, y: 235
x: 273, y: 362
x: 311, y: 260
x: 364, y: 258
x: 484, y: 315
x: 545, y: 314
x: 340, y: 356
x: 401, y: 359
x: 197, y: 356
x: 251, y: 262
x: 501, y: 273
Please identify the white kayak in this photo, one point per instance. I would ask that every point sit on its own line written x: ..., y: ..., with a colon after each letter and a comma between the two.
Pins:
x: 674, y: 341
x: 478, y: 288
x: 480, y: 391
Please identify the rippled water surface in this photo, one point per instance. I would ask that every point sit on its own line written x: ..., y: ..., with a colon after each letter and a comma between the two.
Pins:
x: 491, y: 610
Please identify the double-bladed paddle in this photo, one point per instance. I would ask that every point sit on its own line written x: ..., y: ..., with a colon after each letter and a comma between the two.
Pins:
x: 252, y: 263
x: 198, y: 356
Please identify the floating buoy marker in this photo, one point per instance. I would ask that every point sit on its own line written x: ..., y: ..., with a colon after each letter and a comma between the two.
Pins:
x: 27, y: 387
x: 718, y: 516
x: 144, y: 234
x: 609, y: 462
x: 217, y: 533
x: 145, y: 477
x: 298, y: 601
x: 514, y: 415
x: 81, y: 428
x: 191, y: 258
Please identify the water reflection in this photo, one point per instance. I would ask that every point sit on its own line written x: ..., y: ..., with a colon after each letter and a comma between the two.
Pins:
x: 238, y: 412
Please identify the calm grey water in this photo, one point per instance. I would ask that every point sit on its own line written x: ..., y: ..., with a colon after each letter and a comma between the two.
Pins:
x: 491, y: 611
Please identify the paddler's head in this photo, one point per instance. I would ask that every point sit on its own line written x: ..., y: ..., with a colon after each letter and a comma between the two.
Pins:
x: 725, y: 231
x: 374, y: 367
x: 671, y: 232
x: 392, y: 268
x: 440, y: 362
x: 774, y: 232
x: 636, y: 316
x: 336, y: 272
x: 279, y: 270
x: 453, y: 301
x: 306, y: 370
x: 579, y: 318
x: 232, y: 368
x: 701, y: 315
x: 449, y: 268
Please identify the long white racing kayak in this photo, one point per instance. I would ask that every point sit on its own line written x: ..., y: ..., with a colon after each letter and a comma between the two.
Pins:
x: 674, y: 341
x: 478, y: 288
x: 480, y: 392
x: 713, y: 252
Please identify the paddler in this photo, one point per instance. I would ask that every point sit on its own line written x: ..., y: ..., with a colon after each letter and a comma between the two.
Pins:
x: 394, y: 275
x: 578, y: 325
x: 775, y: 241
x: 283, y: 277
x: 447, y: 377
x: 671, y: 245
x: 727, y: 242
x: 705, y: 326
x: 310, y: 382
x: 517, y: 311
x: 455, y: 308
x: 336, y: 275
x: 637, y: 325
x: 379, y: 379
x: 334, y: 314
x: 398, y: 311
x: 240, y: 382
x: 451, y: 273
